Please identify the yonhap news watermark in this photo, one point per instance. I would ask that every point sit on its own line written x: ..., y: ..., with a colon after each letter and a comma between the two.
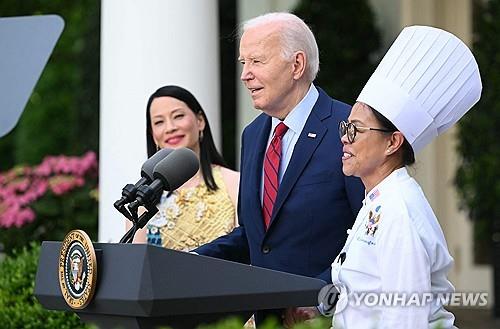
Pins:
x: 370, y: 299
x: 333, y: 300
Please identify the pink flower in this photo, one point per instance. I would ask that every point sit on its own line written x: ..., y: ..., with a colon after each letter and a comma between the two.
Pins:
x: 8, y: 217
x: 20, y: 185
x: 23, y: 185
x: 43, y: 169
x: 24, y: 216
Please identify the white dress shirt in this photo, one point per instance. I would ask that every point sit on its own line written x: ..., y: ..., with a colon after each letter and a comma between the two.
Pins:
x: 401, y: 250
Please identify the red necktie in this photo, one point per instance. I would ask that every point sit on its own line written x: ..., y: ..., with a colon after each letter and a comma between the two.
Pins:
x: 271, y: 170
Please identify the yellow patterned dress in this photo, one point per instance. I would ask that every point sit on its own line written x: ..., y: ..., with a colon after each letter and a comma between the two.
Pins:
x: 193, y: 216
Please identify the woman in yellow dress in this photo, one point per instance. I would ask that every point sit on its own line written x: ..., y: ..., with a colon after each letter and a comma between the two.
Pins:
x: 204, y: 208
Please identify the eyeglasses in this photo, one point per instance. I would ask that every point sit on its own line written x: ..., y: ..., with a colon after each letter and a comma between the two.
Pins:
x: 350, y: 129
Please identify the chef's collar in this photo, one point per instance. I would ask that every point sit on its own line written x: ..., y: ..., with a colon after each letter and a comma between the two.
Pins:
x: 384, y: 186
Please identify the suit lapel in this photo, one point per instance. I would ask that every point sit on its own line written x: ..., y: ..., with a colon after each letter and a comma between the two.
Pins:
x: 304, y: 149
x: 257, y: 159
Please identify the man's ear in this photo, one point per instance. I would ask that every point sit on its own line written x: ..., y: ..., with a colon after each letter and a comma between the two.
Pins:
x: 299, y: 65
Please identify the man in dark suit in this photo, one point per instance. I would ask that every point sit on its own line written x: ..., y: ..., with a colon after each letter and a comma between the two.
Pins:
x: 295, y: 204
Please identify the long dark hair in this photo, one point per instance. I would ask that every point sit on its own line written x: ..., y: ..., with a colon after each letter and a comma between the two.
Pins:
x: 208, y: 152
x: 408, y: 156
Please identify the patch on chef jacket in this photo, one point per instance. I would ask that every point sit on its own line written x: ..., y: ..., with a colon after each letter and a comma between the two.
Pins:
x: 375, y: 194
x: 373, y: 221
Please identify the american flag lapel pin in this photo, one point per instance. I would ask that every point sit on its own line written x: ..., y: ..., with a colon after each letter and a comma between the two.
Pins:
x: 311, y: 135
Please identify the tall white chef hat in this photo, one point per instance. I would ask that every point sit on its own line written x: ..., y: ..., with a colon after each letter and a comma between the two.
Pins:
x: 424, y: 84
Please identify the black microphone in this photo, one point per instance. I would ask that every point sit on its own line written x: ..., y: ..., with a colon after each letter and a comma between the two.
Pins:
x: 169, y: 174
x: 129, y: 191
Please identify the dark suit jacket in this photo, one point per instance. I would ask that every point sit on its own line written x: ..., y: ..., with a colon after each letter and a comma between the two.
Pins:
x: 315, y: 206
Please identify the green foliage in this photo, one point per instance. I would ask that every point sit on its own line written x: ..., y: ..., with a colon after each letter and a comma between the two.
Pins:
x: 271, y: 323
x: 229, y: 323
x: 63, y: 112
x: 477, y: 177
x: 19, y: 308
x: 348, y: 42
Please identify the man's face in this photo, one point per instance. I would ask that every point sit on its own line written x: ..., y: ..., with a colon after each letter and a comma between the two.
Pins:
x: 266, y: 74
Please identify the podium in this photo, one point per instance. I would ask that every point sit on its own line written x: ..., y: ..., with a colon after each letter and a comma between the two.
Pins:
x: 145, y: 286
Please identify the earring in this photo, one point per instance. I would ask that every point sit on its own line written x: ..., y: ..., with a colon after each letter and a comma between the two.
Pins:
x: 157, y: 148
x: 200, y: 136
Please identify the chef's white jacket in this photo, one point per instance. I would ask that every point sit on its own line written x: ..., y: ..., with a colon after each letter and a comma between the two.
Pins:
x: 395, y: 246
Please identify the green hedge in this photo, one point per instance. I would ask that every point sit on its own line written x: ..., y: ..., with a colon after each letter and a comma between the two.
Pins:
x: 234, y: 323
x: 18, y: 307
x: 348, y: 41
x: 478, y: 135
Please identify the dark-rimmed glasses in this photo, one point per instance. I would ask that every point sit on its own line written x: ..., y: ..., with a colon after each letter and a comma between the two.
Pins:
x: 351, y: 129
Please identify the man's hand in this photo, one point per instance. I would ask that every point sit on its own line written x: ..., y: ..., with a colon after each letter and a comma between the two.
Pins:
x: 294, y: 315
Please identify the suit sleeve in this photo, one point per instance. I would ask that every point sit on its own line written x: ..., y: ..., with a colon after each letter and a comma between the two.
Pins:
x: 326, y: 275
x: 232, y: 246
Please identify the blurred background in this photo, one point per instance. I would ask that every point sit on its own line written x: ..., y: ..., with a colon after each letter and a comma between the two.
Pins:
x: 81, y: 137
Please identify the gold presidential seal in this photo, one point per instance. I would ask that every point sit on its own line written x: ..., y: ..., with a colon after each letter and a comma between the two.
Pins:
x: 77, y: 269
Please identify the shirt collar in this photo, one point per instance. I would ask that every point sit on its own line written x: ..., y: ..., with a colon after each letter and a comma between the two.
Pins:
x: 385, y: 185
x: 296, y: 119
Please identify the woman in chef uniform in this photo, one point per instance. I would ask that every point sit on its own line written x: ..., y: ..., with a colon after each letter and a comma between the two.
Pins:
x: 425, y: 83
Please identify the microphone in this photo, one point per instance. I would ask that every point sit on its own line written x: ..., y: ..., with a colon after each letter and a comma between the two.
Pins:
x: 129, y: 191
x: 177, y: 168
x: 169, y: 174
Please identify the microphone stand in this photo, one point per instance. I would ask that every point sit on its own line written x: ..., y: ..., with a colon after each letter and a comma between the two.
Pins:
x: 139, y: 223
x: 132, y: 215
x: 128, y: 193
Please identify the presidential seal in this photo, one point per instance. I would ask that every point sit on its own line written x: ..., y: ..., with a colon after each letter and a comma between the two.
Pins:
x: 77, y: 269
